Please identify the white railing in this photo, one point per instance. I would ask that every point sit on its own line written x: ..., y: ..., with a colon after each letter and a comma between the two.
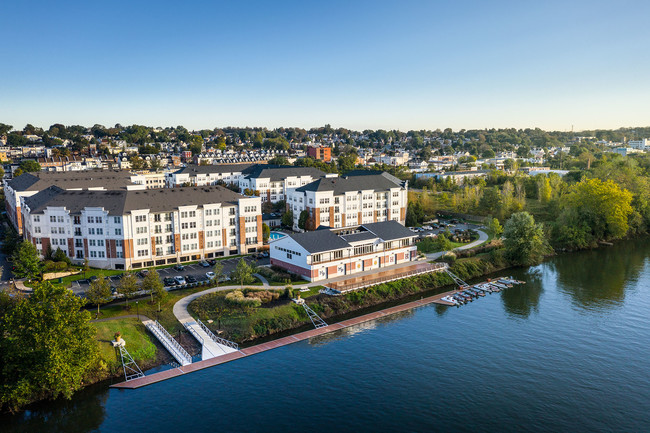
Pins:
x: 434, y: 268
x: 168, y: 341
x: 216, y: 339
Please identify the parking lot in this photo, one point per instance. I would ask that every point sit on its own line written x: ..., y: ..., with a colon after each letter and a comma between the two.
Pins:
x: 195, y: 270
x: 423, y: 233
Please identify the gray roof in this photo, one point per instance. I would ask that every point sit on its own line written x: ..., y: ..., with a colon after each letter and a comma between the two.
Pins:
x: 280, y: 172
x: 218, y: 168
x: 121, y: 202
x: 356, y: 182
x: 326, y: 239
x: 358, y: 237
x: 388, y: 230
x: 319, y: 240
x: 109, y: 179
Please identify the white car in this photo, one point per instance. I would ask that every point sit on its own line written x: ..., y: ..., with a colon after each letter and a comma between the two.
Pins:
x: 180, y: 280
x: 210, y: 275
x: 427, y: 227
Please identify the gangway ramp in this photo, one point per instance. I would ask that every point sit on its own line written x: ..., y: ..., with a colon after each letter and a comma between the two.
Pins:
x: 172, y: 346
x: 211, y: 345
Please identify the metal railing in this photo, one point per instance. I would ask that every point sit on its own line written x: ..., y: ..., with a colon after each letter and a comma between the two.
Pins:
x: 194, y: 333
x: 434, y: 268
x: 168, y: 341
x: 216, y: 339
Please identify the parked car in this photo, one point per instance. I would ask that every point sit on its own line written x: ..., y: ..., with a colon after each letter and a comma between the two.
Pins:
x: 169, y: 281
x: 179, y: 267
x: 143, y: 273
x: 224, y: 278
x: 93, y: 278
x: 204, y: 264
x: 427, y: 227
x: 212, y: 262
x: 180, y: 280
x: 210, y: 275
x: 190, y: 279
x: 264, y: 254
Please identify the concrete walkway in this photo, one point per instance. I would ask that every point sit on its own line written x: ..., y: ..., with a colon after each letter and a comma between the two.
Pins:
x: 482, y: 237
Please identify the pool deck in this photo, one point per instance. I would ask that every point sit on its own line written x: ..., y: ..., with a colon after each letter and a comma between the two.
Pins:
x: 263, y: 347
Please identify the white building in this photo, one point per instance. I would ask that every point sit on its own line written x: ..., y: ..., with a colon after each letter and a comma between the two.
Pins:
x: 358, y: 198
x: 642, y: 144
x: 142, y: 228
x: 329, y: 253
x: 273, y: 182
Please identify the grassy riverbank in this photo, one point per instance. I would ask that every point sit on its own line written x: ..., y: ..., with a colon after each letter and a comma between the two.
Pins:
x: 279, y: 315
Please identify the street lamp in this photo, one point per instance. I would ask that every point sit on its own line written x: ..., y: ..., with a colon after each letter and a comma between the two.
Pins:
x: 138, y: 309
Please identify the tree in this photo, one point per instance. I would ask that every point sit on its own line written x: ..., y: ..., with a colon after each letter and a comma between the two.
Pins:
x: 218, y: 272
x: 525, y: 242
x: 4, y: 129
x: 302, y: 219
x: 494, y: 227
x: 266, y: 232
x: 60, y: 256
x: 137, y: 163
x: 279, y: 160
x: 47, y: 347
x: 128, y: 286
x: 99, y: 292
x: 242, y: 273
x: 287, y: 219
x: 30, y: 166
x: 152, y: 285
x: 26, y: 261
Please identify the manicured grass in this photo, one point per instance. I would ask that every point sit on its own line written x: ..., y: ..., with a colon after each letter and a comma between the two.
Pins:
x: 312, y: 291
x: 138, y: 341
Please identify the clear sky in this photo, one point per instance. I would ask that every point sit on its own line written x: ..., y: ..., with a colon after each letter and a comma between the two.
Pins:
x: 355, y: 64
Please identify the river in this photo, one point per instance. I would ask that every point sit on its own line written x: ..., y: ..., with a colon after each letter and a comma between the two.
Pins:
x: 568, y: 351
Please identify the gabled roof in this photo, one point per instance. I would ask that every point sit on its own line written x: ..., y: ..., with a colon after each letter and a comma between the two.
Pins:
x: 121, y: 202
x: 219, y: 168
x: 388, y: 230
x: 280, y: 172
x: 109, y: 179
x: 319, y: 240
x: 354, y: 182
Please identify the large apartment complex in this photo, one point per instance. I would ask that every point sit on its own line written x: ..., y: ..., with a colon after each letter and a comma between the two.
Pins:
x: 329, y: 253
x: 29, y: 184
x: 122, y: 229
x: 271, y: 181
x: 355, y: 199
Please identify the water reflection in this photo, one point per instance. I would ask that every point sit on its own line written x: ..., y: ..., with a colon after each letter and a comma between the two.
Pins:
x: 598, y: 279
x: 345, y: 333
x: 84, y: 413
x: 523, y: 299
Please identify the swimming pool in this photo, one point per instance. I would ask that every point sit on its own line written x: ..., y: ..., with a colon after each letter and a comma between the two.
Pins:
x: 276, y: 235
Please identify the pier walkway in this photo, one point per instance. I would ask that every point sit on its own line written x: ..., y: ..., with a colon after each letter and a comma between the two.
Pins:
x: 172, y: 346
x: 263, y: 347
x: 211, y: 345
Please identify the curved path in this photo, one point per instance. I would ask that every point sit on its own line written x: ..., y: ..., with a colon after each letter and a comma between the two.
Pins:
x: 482, y: 237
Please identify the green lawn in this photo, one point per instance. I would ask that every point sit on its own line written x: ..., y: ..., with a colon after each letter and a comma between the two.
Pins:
x: 138, y: 341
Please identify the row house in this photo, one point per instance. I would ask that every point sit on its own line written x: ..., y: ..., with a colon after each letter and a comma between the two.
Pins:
x: 29, y: 184
x: 143, y: 228
x: 329, y: 253
x: 200, y: 175
x: 357, y: 198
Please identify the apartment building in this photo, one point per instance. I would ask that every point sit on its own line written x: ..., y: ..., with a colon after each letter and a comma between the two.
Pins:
x: 329, y: 253
x: 200, y: 175
x: 355, y: 199
x: 273, y: 182
x: 122, y: 229
x: 29, y: 184
x: 322, y: 153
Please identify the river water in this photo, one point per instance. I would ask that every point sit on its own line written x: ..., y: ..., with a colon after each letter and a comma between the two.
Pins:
x: 568, y: 351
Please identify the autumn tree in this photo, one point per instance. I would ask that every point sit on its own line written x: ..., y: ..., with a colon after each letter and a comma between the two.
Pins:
x: 99, y: 292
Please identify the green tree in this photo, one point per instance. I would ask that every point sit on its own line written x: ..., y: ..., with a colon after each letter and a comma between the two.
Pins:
x: 60, y: 256
x: 152, y: 285
x: 99, y: 292
x: 26, y: 261
x: 243, y: 273
x: 287, y: 219
x: 137, y: 163
x: 28, y: 165
x: 128, y: 287
x: 494, y: 227
x: 4, y: 129
x: 218, y: 272
x: 266, y: 232
x: 302, y: 219
x: 279, y: 160
x: 47, y: 347
x: 525, y: 242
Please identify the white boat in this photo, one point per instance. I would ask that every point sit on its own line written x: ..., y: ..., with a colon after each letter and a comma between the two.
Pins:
x: 449, y: 299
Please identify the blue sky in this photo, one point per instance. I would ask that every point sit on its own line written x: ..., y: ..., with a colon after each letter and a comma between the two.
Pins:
x: 356, y: 64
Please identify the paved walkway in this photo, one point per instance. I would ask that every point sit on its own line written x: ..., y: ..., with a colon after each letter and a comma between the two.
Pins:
x: 482, y: 237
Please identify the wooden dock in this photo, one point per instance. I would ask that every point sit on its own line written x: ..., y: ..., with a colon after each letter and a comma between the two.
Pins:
x: 263, y: 347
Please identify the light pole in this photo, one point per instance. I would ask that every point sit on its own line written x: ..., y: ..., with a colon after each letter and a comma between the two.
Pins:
x: 138, y: 309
